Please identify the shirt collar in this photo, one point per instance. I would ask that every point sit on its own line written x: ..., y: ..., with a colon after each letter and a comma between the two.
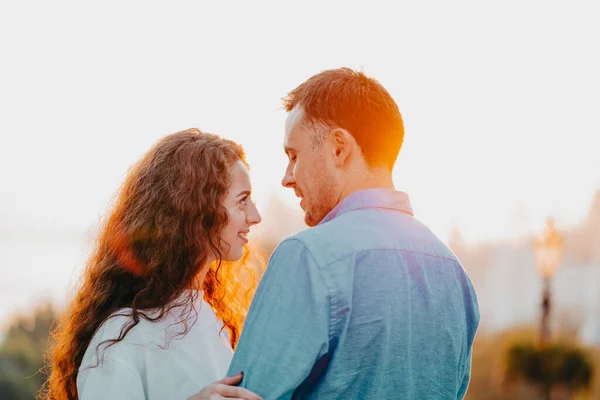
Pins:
x: 371, y: 198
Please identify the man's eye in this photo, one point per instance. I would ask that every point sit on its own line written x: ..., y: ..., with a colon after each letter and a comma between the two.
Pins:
x: 244, y: 201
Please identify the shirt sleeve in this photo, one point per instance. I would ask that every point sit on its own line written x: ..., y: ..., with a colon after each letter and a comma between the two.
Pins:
x: 462, y: 390
x: 112, y: 379
x: 473, y: 317
x: 287, y: 328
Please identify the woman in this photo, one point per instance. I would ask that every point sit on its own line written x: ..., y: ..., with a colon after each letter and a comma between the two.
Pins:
x: 168, y: 279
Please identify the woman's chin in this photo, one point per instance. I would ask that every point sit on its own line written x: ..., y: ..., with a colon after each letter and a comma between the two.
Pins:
x: 234, y: 255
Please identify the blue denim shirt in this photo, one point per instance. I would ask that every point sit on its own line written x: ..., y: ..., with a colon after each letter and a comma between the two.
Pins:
x: 369, y: 304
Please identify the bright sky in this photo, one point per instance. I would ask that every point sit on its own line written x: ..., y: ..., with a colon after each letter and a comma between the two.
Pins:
x: 500, y: 100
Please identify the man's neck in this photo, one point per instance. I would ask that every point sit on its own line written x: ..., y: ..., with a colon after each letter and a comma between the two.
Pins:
x: 373, y: 179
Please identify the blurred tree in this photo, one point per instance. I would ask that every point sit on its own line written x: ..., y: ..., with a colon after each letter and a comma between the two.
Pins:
x: 22, y: 351
x: 550, y: 366
x: 489, y: 380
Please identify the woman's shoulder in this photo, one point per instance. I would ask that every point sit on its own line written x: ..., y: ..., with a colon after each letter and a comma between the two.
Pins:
x: 152, y: 328
x: 104, y: 342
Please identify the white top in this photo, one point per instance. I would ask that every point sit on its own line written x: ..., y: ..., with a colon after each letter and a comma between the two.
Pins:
x: 152, y: 362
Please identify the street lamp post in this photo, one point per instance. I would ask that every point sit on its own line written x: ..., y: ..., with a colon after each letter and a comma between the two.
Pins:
x: 547, y: 251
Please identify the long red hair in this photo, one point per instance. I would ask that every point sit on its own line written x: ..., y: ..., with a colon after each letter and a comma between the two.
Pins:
x: 153, y: 248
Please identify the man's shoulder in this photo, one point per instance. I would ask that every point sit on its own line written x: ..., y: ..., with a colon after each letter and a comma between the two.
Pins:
x: 314, y: 235
x: 366, y: 231
x: 335, y: 239
x: 322, y: 235
x: 312, y: 242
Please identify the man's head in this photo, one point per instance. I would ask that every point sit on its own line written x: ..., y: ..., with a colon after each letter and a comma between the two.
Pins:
x: 341, y: 126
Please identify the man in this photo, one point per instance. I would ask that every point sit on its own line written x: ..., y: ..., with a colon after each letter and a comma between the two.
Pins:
x: 368, y: 303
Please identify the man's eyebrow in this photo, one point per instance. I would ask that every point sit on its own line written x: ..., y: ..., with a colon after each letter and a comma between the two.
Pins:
x: 243, y: 193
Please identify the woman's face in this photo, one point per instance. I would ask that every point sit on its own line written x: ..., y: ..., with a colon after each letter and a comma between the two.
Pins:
x: 241, y: 212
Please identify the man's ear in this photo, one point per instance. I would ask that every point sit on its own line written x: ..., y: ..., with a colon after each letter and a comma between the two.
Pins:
x: 343, y: 144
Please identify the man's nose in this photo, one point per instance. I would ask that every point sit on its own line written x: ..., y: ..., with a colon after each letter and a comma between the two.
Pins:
x: 288, y: 180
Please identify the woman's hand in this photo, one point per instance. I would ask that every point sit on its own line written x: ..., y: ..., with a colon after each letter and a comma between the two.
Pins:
x: 226, y: 389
